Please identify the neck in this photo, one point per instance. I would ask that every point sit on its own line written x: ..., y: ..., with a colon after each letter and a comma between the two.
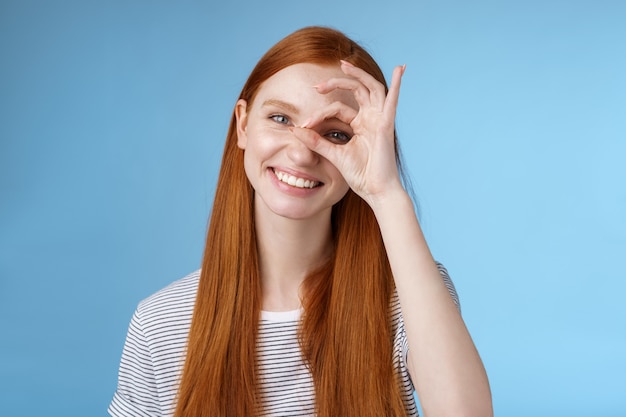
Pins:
x: 289, y: 250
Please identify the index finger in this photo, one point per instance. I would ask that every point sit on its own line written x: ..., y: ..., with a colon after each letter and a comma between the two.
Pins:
x: 320, y: 145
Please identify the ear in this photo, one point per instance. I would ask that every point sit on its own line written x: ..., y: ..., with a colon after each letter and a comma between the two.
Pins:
x: 241, y: 114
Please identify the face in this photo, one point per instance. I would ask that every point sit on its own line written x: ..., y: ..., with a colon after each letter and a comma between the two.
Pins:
x: 289, y: 179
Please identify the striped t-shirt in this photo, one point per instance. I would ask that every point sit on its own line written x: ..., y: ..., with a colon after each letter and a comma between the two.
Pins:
x: 153, y: 356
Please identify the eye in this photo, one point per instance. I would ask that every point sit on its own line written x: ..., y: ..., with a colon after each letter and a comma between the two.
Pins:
x: 339, y: 137
x: 279, y: 118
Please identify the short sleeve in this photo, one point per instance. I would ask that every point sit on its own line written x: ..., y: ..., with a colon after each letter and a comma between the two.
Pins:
x: 449, y: 285
x: 136, y: 394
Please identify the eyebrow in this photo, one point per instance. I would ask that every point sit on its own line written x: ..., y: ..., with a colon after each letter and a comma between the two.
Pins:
x: 279, y: 103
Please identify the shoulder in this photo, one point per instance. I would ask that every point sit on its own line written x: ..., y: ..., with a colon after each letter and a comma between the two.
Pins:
x: 154, y: 350
x: 180, y: 291
x: 171, y: 306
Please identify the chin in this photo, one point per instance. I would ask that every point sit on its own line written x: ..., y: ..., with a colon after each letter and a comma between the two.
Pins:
x: 299, y: 214
x: 292, y: 212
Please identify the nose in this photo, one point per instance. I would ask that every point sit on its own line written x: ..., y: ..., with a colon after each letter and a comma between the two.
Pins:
x: 300, y: 154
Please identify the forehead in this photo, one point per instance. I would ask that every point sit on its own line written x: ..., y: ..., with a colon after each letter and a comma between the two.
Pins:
x: 295, y: 84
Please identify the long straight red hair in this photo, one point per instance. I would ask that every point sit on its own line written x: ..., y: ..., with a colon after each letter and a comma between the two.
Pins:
x: 345, y: 333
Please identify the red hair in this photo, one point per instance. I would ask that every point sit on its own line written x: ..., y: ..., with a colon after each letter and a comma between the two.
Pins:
x: 345, y: 333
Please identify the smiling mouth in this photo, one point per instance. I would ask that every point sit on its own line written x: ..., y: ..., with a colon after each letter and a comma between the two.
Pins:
x: 295, y: 181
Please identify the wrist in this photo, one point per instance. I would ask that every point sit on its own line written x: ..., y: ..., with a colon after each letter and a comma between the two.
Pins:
x: 391, y: 199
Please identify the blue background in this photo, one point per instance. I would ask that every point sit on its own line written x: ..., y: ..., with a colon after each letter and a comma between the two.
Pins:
x: 512, y: 120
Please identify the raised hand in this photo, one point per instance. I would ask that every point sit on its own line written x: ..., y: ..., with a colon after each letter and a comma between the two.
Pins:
x: 368, y: 161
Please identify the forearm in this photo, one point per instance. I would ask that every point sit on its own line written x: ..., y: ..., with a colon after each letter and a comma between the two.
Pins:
x: 445, y: 367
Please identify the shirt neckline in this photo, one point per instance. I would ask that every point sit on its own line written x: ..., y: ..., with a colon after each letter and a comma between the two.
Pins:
x: 281, y: 316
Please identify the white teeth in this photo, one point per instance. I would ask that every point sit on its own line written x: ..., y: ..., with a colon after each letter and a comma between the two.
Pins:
x: 295, y: 181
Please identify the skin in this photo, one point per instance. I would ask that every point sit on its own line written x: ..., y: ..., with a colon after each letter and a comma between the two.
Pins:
x: 293, y: 226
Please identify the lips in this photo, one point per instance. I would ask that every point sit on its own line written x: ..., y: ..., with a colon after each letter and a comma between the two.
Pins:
x: 295, y: 181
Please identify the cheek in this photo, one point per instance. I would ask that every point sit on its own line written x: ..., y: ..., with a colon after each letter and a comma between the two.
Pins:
x: 260, y: 143
x: 247, y: 166
x: 253, y: 166
x: 255, y: 157
x: 340, y: 184
x: 344, y: 189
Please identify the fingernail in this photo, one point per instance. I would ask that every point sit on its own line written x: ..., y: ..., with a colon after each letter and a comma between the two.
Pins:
x: 403, y: 69
x: 346, y: 63
x: 305, y: 123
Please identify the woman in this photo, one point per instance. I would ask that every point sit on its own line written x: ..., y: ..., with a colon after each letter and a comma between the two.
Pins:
x: 318, y: 294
